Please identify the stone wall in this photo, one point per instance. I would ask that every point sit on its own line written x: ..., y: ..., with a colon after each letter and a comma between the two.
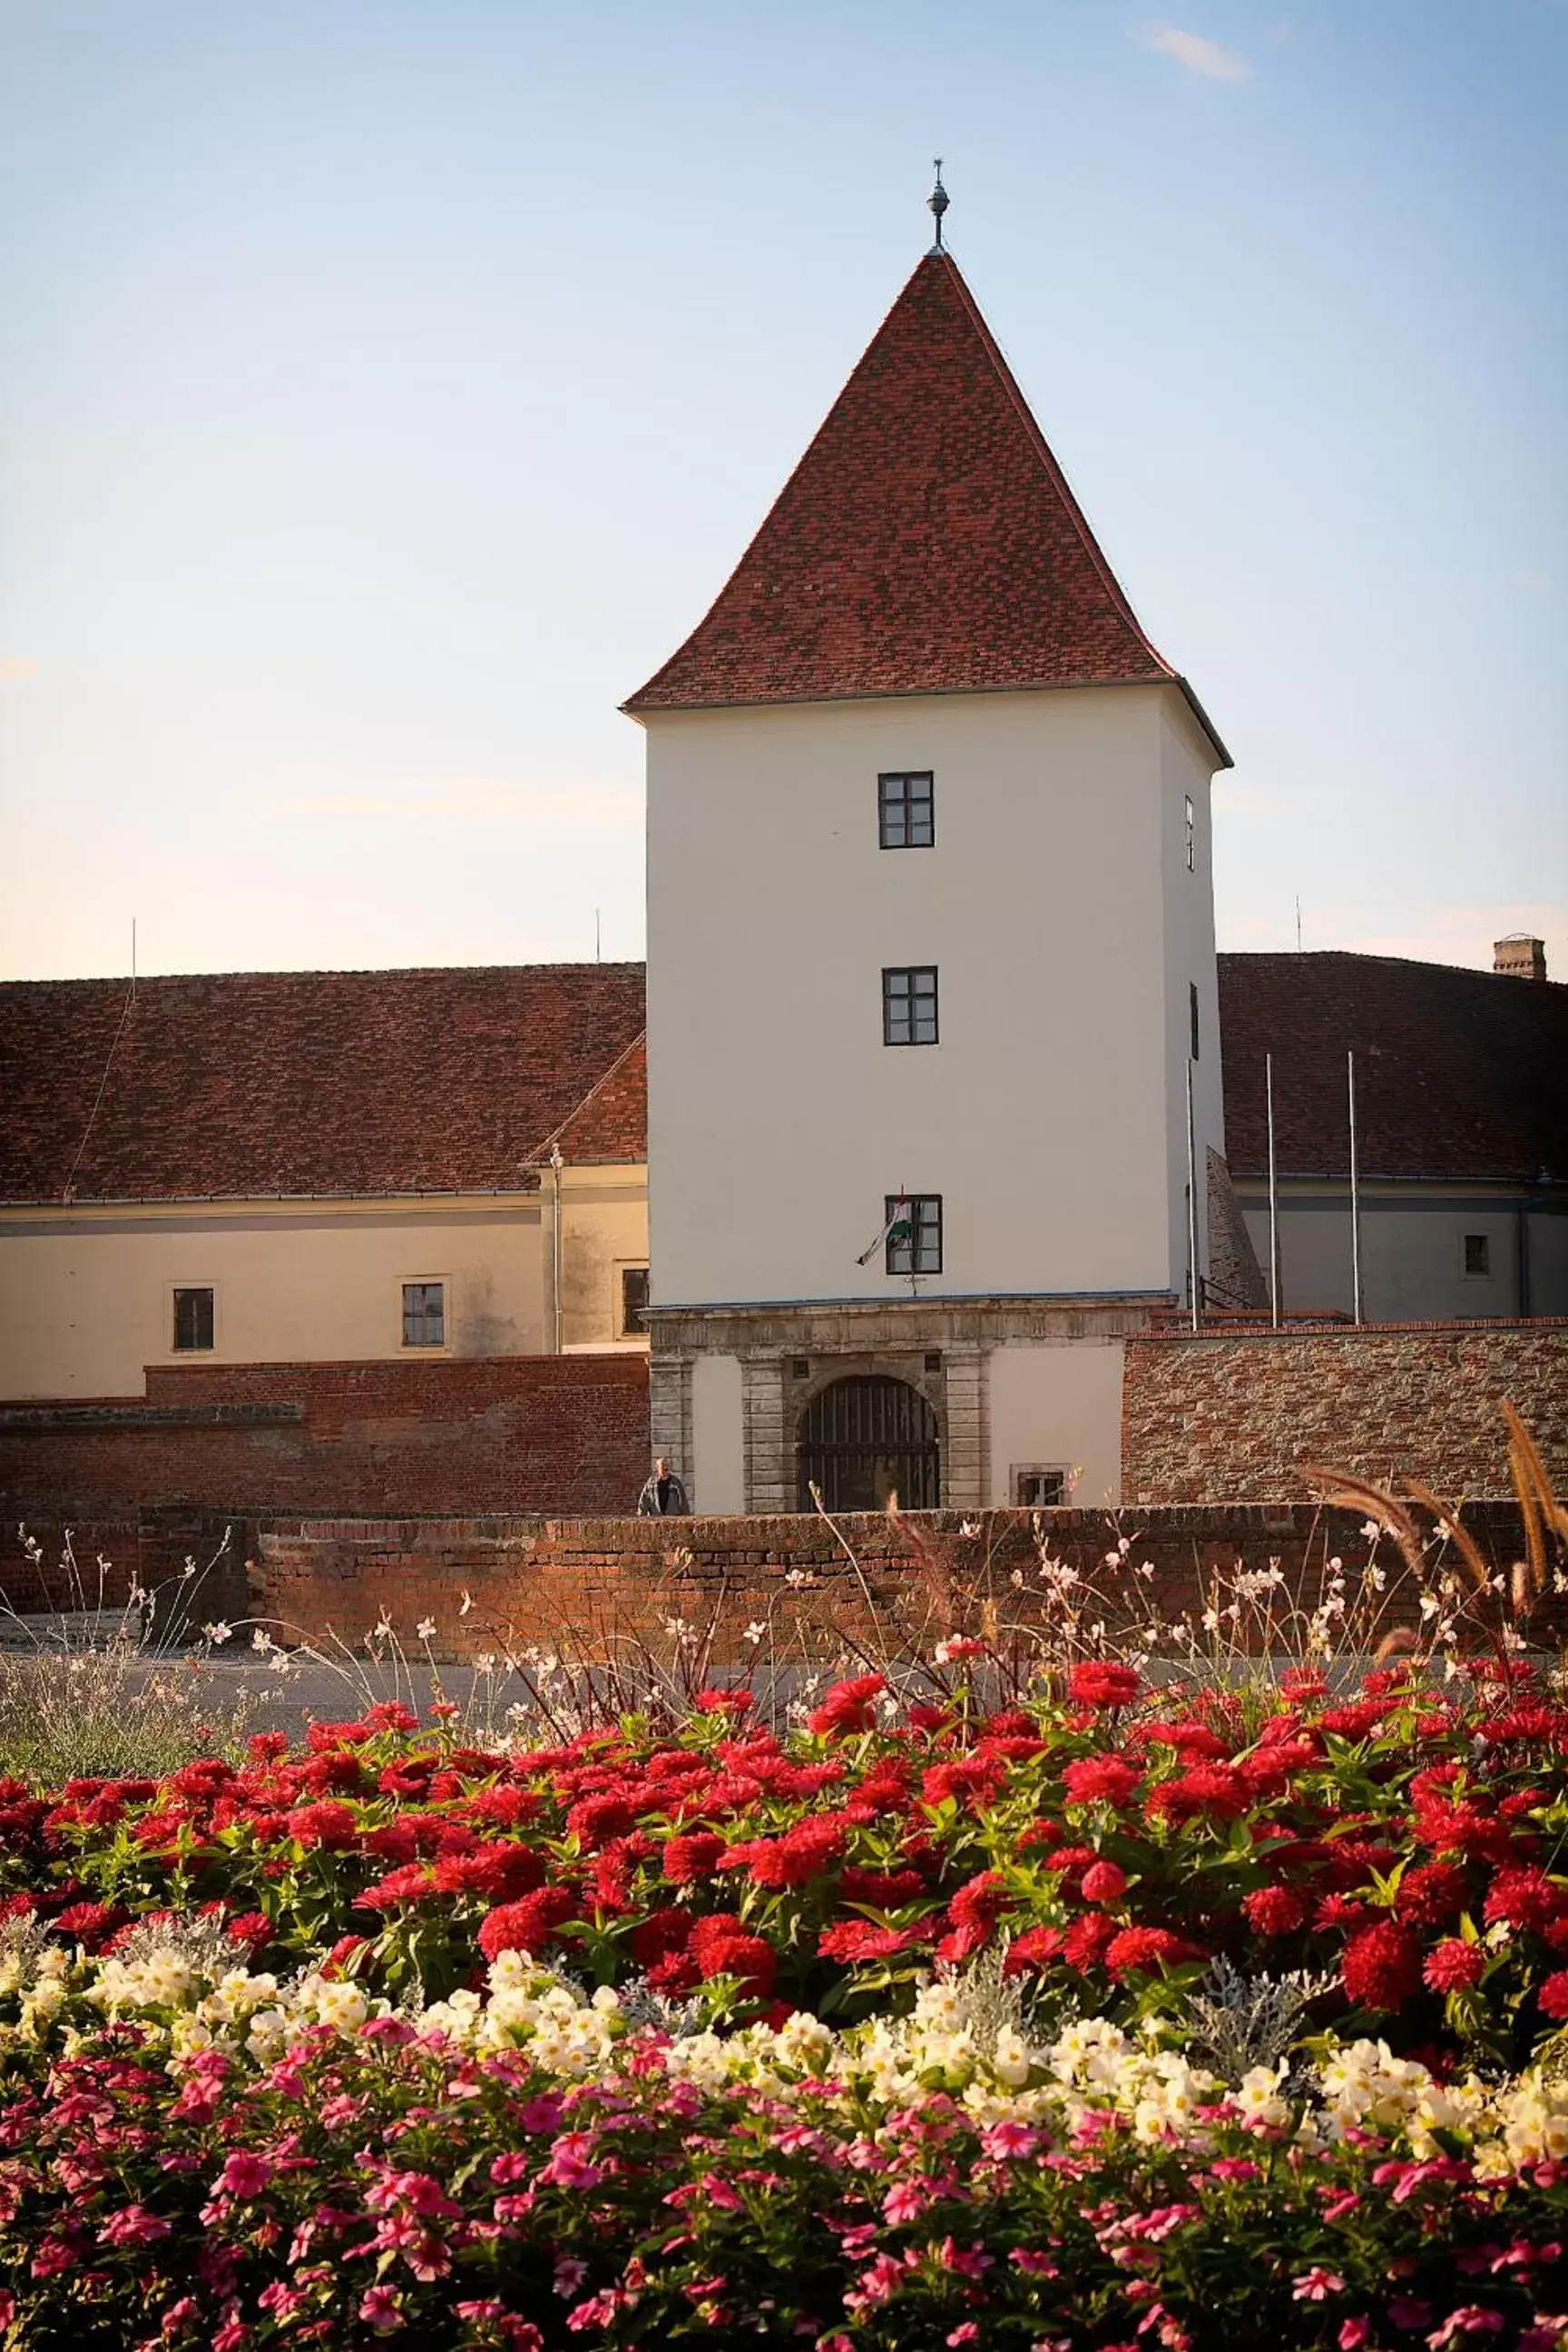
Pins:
x: 504, y: 1432
x: 602, y: 1587
x: 1233, y: 1418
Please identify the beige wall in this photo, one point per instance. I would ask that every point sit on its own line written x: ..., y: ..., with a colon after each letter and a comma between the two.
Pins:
x: 604, y: 1228
x: 1058, y: 1408
x: 1044, y: 1117
x: 85, y: 1295
x: 1412, y: 1238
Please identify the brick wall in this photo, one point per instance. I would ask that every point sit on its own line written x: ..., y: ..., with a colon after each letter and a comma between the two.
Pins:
x: 518, y: 1434
x: 1233, y: 1418
x: 589, y: 1586
x: 95, y: 1562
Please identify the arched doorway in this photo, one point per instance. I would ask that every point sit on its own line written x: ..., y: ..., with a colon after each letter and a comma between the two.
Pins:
x: 863, y: 1439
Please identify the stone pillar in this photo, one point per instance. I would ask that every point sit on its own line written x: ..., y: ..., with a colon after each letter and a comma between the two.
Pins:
x: 770, y: 1449
x: 669, y: 1410
x: 966, y: 1465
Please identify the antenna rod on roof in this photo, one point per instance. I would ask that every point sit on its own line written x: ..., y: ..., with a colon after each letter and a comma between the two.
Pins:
x: 132, y: 955
x: 1298, y: 926
x: 597, y: 956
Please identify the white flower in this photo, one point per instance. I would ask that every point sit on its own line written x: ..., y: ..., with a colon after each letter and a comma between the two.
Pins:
x: 1371, y: 1530
x: 468, y: 1603
x: 218, y: 1632
x: 425, y: 1630
x: 754, y: 1631
x: 261, y: 1640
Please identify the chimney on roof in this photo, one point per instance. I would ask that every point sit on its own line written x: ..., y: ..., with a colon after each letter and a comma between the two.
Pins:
x: 1520, y: 957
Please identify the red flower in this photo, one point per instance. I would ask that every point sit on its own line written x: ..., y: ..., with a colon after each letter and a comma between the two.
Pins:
x: 1036, y: 1947
x: 1100, y: 1683
x: 861, y: 1939
x: 722, y: 1702
x: 1453, y: 1966
x: 251, y: 1928
x: 849, y: 1706
x: 528, y: 1926
x: 1083, y: 1946
x: 1141, y: 1950
x: 1205, y: 1788
x: 687, y: 1859
x: 329, y: 1825
x: 1100, y: 1781
x: 595, y: 1820
x: 1525, y: 1898
x: 1554, y: 1995
x: 723, y: 1948
x: 1432, y: 1893
x: 1275, y: 1910
x: 661, y: 1933
x: 89, y: 1923
x: 1105, y: 1882
x: 1381, y: 1966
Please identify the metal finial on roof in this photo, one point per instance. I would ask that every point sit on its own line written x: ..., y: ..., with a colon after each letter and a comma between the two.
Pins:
x: 936, y: 204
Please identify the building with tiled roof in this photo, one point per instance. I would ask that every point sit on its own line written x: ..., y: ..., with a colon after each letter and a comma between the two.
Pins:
x: 318, y: 1166
x: 1461, y: 1100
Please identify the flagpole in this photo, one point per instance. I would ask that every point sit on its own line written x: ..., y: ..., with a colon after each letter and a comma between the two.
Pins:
x: 1273, y: 1194
x: 1356, y: 1189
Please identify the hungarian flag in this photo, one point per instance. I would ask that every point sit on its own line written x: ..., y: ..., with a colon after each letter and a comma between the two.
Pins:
x: 900, y: 1227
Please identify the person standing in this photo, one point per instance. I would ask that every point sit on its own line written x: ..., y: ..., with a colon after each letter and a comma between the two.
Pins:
x: 664, y: 1496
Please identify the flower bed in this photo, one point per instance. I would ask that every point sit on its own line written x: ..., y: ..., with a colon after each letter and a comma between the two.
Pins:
x: 229, y: 2118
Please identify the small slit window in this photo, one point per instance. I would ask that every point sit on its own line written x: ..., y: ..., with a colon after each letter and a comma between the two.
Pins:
x: 1478, y: 1254
x: 1193, y: 1014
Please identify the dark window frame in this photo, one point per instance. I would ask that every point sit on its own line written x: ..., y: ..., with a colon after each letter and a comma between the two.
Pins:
x: 1025, y: 1474
x: 906, y: 819
x: 922, y: 1253
x: 194, y: 1311
x: 417, y: 1314
x: 632, y: 1327
x: 1478, y: 1246
x: 904, y: 997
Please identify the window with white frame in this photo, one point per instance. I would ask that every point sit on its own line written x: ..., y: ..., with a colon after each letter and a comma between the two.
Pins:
x: 1037, y: 1487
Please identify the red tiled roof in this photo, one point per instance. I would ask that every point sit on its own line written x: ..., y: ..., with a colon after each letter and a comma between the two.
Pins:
x: 1459, y: 1075
x: 927, y: 542
x: 610, y: 1123
x: 260, y: 1084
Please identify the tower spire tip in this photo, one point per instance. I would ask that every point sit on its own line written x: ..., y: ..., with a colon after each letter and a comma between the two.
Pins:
x: 936, y: 205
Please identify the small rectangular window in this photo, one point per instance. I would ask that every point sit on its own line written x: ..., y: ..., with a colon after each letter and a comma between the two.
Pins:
x: 914, y: 1233
x: 1035, y: 1489
x: 634, y: 1298
x: 1477, y: 1253
x: 909, y: 1004
x: 906, y: 811
x: 1193, y: 1014
x: 1192, y: 837
x: 424, y: 1313
x: 193, y: 1319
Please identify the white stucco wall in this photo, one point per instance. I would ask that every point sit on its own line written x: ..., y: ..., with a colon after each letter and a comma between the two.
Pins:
x: 1186, y: 761
x: 85, y: 1295
x: 1412, y: 1251
x: 1057, y: 1407
x: 779, y: 1120
x: 718, y: 1434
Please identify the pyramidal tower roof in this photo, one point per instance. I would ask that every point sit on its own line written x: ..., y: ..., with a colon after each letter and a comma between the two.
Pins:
x: 926, y: 543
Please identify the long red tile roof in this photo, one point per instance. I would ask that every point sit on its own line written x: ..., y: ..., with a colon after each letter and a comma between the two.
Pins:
x: 927, y: 542
x: 262, y: 1085
x: 1459, y: 1075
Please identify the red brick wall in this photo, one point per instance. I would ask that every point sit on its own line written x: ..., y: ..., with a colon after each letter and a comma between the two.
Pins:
x: 592, y: 1585
x: 492, y: 1433
x: 1232, y: 1419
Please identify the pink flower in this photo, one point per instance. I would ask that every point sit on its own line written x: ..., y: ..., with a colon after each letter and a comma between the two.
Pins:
x: 967, y: 2332
x: 1470, y: 2319
x: 381, y: 2309
x: 1353, y: 2334
x: 245, y: 2175
x: 1317, y: 2284
x: 569, y: 2165
x: 133, y: 2226
x: 1008, y: 2138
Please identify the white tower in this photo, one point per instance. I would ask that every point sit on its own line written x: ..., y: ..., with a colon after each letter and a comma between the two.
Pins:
x: 930, y: 953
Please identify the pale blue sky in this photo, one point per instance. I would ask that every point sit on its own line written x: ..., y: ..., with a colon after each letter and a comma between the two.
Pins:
x: 388, y: 385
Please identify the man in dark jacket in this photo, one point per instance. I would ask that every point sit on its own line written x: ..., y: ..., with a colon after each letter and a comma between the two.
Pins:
x: 664, y: 1496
